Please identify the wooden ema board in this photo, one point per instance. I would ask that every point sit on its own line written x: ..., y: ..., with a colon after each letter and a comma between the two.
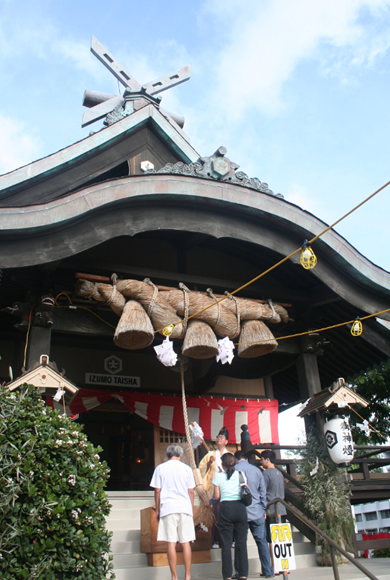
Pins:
x: 157, y: 551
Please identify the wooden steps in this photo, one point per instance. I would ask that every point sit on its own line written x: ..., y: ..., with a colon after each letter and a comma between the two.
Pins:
x: 124, y: 522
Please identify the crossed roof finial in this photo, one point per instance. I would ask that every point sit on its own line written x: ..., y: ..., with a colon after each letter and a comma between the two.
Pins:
x: 101, y: 104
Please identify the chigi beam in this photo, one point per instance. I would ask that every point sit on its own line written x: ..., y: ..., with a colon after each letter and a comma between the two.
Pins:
x: 168, y: 81
x: 114, y: 66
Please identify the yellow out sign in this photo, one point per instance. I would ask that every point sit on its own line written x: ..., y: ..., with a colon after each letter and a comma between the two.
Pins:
x: 282, y: 547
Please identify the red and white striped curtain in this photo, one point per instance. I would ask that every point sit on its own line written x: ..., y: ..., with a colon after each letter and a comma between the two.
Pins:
x: 261, y: 415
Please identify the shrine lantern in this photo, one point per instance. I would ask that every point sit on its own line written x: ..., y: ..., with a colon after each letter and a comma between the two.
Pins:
x: 336, y: 401
x: 338, y: 439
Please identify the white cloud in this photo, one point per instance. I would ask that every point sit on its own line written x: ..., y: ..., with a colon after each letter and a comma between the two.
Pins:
x: 38, y: 37
x: 269, y: 39
x: 78, y: 53
x: 21, y: 35
x: 301, y: 196
x: 17, y: 148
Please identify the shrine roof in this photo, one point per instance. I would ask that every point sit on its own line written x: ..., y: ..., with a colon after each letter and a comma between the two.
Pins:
x: 75, y: 166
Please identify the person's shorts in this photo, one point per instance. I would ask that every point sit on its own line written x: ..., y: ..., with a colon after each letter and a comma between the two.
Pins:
x: 176, y: 528
x: 268, y: 522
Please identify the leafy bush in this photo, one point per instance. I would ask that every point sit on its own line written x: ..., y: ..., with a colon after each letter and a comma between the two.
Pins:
x: 326, y: 497
x: 382, y: 553
x: 52, y: 499
x: 373, y: 385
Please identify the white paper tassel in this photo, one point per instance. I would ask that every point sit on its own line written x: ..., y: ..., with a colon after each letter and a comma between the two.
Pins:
x: 196, y: 434
x: 315, y: 469
x: 58, y: 395
x: 225, y: 351
x: 364, y: 427
x: 165, y: 353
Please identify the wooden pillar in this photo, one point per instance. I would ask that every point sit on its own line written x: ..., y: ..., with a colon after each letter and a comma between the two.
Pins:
x: 308, y: 375
x: 268, y: 387
x: 309, y: 383
x: 39, y: 342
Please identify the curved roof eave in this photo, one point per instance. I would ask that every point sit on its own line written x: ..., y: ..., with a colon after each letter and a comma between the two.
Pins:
x: 64, y: 221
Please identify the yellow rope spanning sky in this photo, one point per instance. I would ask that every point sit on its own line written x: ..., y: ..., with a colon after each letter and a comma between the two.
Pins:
x: 280, y: 262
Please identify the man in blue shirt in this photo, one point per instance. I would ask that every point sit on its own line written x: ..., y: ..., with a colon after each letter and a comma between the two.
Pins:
x: 256, y: 511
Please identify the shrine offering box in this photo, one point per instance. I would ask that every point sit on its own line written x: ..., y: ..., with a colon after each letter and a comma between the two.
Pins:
x: 157, y: 551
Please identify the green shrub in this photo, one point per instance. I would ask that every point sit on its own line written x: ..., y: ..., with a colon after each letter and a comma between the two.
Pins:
x: 382, y: 553
x: 326, y: 497
x: 52, y: 499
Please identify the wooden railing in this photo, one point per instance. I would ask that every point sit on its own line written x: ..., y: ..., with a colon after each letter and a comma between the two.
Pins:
x: 292, y: 511
x: 364, y: 485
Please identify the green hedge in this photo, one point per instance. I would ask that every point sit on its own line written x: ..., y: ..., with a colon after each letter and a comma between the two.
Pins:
x: 52, y: 499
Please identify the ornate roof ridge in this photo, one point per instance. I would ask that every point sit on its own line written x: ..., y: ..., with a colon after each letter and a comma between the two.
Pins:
x: 217, y: 167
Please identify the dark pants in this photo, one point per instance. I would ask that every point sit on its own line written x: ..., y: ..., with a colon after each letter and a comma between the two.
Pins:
x: 257, y: 527
x: 214, y: 530
x: 233, y: 523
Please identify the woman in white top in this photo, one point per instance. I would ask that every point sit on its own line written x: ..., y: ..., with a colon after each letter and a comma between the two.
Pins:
x: 232, y: 521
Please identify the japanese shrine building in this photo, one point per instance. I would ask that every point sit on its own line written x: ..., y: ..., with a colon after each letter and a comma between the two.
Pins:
x: 135, y: 199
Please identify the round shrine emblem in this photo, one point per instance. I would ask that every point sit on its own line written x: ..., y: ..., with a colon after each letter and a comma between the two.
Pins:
x: 331, y: 439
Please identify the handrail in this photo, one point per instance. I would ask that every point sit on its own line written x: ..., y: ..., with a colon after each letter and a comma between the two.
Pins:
x: 331, y: 543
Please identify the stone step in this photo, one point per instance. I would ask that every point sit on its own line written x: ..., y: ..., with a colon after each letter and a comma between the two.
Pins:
x: 126, y: 540
x: 126, y: 535
x: 162, y: 572
x: 124, y: 547
x: 124, y: 522
x: 120, y: 500
x: 127, y: 515
x: 210, y: 570
x: 128, y: 559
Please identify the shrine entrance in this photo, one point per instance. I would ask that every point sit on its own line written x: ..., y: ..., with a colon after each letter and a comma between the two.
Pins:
x: 128, y: 445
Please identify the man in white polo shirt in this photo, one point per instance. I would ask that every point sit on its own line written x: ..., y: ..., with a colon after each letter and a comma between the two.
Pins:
x: 174, y: 485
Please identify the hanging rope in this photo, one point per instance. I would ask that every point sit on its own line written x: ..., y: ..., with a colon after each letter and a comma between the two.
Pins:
x: 185, y: 414
x: 238, y: 329
x: 200, y: 488
x: 155, y: 292
x: 186, y: 294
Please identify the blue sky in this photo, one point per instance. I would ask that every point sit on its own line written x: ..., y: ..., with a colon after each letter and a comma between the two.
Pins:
x: 298, y: 92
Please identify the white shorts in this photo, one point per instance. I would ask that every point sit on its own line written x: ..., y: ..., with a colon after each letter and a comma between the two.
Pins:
x: 176, y: 528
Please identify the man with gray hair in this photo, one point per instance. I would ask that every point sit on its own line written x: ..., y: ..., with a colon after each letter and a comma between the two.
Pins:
x: 174, y: 485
